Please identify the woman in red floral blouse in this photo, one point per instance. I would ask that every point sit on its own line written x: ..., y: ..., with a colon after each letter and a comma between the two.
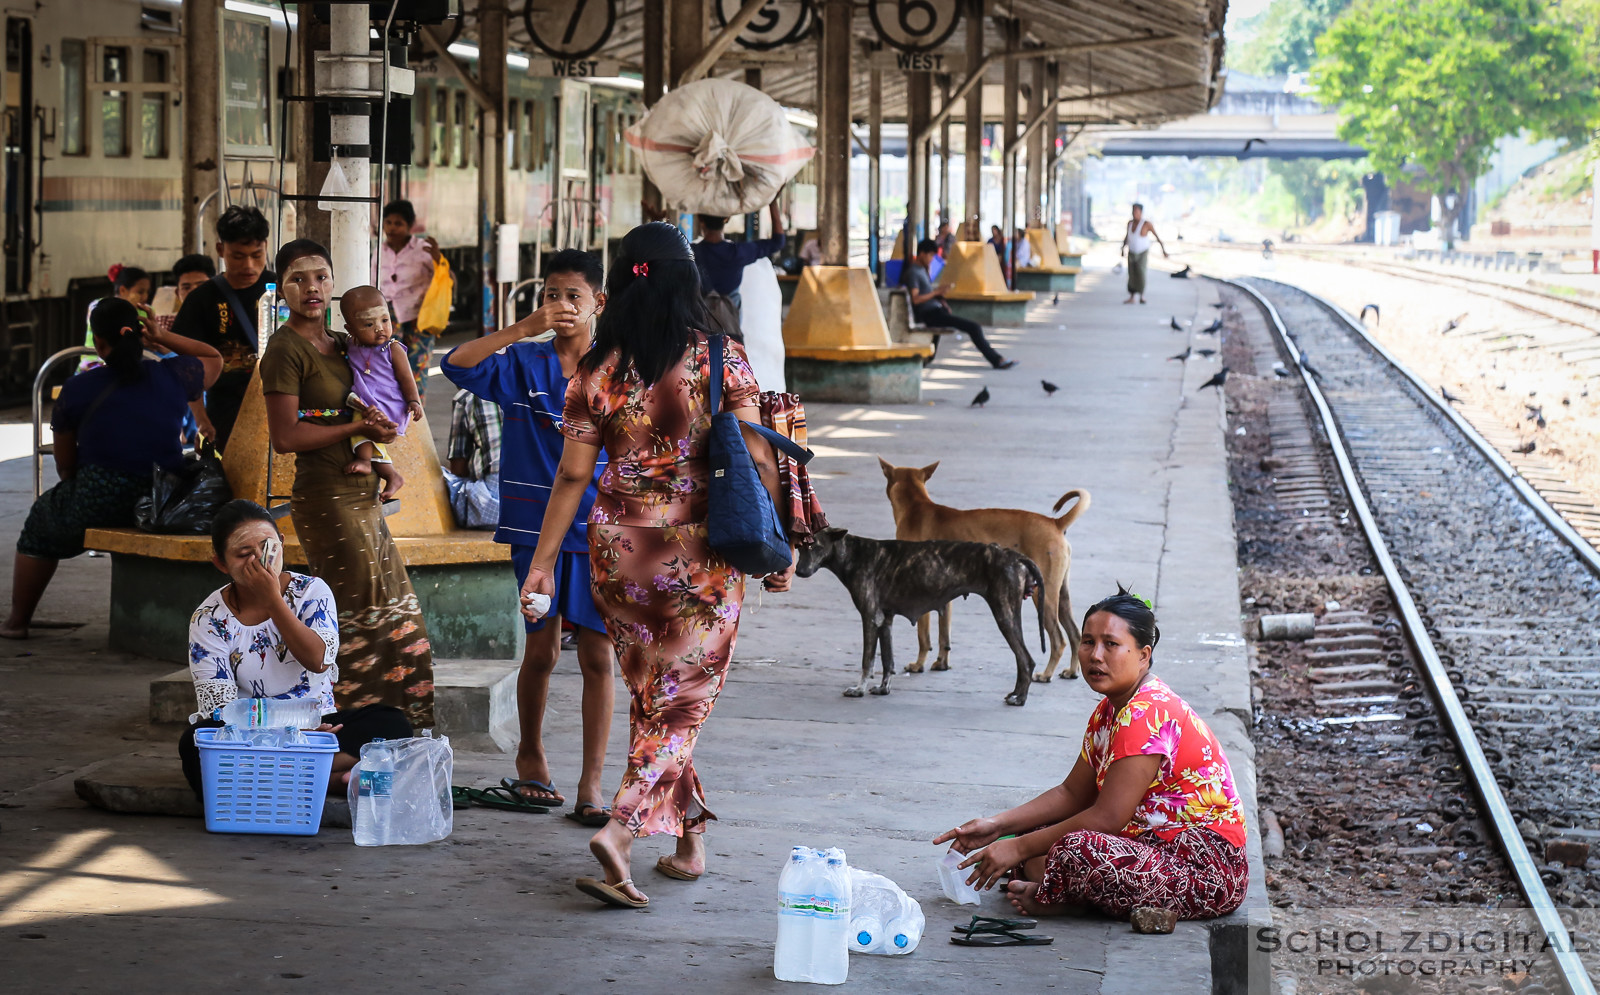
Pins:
x: 1148, y: 815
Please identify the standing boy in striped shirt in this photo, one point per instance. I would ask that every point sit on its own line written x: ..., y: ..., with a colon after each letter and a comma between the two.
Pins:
x: 529, y: 382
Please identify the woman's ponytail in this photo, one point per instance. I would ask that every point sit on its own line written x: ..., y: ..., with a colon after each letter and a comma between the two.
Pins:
x: 116, y: 324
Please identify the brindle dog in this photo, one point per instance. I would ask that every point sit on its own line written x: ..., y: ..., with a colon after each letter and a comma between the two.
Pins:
x: 887, y: 578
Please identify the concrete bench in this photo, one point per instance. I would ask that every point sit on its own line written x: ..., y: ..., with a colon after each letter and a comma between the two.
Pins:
x: 974, y: 287
x: 474, y: 703
x: 787, y: 284
x: 902, y: 319
x: 838, y: 345
x: 1051, y: 279
x: 463, y: 582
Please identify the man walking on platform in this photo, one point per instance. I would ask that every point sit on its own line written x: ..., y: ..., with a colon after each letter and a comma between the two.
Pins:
x: 929, y: 309
x: 1136, y: 239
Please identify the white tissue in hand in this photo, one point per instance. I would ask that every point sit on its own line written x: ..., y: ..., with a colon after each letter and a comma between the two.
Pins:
x: 538, y: 603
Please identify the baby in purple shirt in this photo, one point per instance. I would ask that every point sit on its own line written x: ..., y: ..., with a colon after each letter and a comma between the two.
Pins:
x: 382, y: 379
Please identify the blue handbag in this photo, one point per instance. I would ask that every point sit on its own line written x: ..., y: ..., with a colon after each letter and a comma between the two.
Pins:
x: 742, y: 525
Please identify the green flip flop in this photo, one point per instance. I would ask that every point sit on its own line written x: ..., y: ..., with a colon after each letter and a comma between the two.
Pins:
x: 1002, y: 938
x: 504, y: 798
x: 990, y: 924
x: 460, y: 797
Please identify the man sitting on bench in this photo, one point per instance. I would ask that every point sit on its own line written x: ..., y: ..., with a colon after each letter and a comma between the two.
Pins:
x: 930, y: 309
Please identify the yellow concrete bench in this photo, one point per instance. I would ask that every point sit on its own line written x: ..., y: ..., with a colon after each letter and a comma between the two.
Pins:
x: 974, y: 287
x: 787, y: 284
x: 1051, y: 274
x: 837, y: 345
x: 464, y: 546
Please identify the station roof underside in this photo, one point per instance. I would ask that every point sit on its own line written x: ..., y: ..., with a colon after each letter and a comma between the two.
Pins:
x: 1171, y: 72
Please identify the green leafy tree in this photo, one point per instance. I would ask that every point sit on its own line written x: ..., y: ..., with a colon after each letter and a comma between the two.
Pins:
x: 1433, y: 84
x: 1283, y: 38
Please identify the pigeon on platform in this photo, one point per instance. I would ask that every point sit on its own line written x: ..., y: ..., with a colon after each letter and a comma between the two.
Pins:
x: 1370, y: 307
x: 1174, y: 323
x: 1279, y: 371
x: 1056, y: 299
x: 1217, y: 380
x: 1213, y: 328
x: 1207, y: 353
x: 1449, y: 398
x: 1181, y: 357
x: 1525, y: 448
x: 1182, y: 274
x: 1049, y: 388
x: 1305, y: 364
x: 1566, y: 401
x: 981, y: 399
x: 1454, y: 323
x: 1535, y: 415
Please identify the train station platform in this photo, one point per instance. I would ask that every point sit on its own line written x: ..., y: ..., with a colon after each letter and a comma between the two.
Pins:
x: 97, y: 902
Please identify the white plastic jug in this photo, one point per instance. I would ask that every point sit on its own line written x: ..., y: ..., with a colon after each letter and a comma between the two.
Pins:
x: 954, y: 880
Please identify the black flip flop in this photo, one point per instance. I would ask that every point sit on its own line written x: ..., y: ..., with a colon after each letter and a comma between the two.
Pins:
x: 587, y: 814
x: 504, y: 798
x: 990, y: 924
x: 1002, y: 938
x: 517, y: 784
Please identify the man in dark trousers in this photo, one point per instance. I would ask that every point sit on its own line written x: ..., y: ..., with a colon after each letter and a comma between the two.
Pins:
x: 931, y: 310
x: 222, y: 313
x: 722, y: 262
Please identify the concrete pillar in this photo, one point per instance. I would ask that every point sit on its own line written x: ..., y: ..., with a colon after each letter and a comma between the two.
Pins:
x: 201, y: 122
x: 655, y: 54
x: 310, y: 38
x: 687, y: 36
x: 492, y: 46
x: 1008, y: 132
x: 349, y: 232
x: 875, y: 174
x: 919, y: 111
x: 1033, y: 184
x: 1052, y: 125
x: 944, y: 149
x: 833, y: 123
x: 973, y: 119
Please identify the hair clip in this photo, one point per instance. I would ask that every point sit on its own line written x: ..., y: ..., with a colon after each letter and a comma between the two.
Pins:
x: 641, y: 269
x: 1142, y: 600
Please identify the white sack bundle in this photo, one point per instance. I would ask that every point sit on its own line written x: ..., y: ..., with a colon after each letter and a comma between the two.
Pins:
x: 718, y: 147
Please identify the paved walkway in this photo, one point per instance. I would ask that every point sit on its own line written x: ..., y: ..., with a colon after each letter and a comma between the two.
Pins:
x: 96, y: 903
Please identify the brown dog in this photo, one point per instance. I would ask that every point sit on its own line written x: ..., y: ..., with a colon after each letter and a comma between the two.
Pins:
x: 1038, y: 537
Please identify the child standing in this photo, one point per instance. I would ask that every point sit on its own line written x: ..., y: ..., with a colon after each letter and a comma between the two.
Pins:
x: 529, y: 382
x: 383, y: 380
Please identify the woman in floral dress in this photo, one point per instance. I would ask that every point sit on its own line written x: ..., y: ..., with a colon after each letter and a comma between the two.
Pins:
x: 670, y: 604
x: 1148, y: 815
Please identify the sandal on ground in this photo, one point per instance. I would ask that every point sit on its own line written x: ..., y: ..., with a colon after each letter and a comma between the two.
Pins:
x: 552, y: 798
x: 590, y: 814
x: 674, y: 872
x: 502, y: 797
x: 990, y: 924
x: 460, y: 797
x: 1002, y: 938
x: 611, y: 894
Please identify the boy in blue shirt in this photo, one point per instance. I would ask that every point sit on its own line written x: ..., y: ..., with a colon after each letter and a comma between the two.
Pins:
x: 529, y: 382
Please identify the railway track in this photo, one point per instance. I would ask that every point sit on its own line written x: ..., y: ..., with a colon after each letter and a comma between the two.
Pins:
x: 1498, y: 596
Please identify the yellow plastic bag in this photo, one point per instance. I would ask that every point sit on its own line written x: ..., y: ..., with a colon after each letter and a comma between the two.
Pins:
x: 435, y: 312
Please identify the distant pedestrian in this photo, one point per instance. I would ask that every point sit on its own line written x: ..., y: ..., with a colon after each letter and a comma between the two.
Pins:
x: 997, y: 238
x: 1021, y: 251
x: 722, y: 262
x: 405, y: 271
x: 1136, y: 239
x: 945, y: 239
x: 927, y: 304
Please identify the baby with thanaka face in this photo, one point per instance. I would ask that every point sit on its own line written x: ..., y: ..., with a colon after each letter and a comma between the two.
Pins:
x: 382, y: 379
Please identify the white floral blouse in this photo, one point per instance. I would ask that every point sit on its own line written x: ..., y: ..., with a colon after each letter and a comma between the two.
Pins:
x: 229, y: 659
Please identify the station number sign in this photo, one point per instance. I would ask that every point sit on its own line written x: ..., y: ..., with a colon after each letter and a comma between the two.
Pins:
x: 780, y: 22
x: 570, y: 29
x: 914, y: 25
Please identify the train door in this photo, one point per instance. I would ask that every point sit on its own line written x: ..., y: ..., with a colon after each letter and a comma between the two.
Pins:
x: 16, y: 173
x: 574, y: 204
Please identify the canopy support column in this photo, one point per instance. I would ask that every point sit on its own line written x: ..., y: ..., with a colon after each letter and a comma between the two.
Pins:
x: 202, y: 169
x: 1033, y: 181
x: 834, y: 127
x: 972, y: 209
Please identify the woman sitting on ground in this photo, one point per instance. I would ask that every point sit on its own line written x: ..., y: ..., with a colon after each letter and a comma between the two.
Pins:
x: 111, y: 425
x: 1148, y: 815
x: 270, y: 633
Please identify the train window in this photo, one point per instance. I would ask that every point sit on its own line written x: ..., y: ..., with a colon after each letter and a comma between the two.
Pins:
x: 526, y: 137
x: 458, y: 131
x: 513, y: 137
x: 114, y: 103
x: 73, y: 77
x: 439, y: 122
x: 153, y: 106
x: 421, y: 140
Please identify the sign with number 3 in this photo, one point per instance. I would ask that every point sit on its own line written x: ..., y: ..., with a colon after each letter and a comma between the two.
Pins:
x: 915, y: 25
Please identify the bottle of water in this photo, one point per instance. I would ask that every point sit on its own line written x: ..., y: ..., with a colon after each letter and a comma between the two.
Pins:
x: 866, y: 933
x: 902, y: 933
x: 831, y: 965
x: 373, y: 816
x: 266, y: 316
x: 259, y: 713
x: 884, y: 919
x: 792, y: 957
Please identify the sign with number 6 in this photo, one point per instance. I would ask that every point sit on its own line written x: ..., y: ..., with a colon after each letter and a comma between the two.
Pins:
x: 915, y: 25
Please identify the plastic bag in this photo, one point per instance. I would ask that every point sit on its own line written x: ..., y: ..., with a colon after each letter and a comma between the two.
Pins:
x: 761, y: 318
x: 185, y: 500
x: 954, y: 880
x: 883, y: 918
x: 475, y: 503
x: 718, y: 147
x: 435, y: 312
x: 400, y: 791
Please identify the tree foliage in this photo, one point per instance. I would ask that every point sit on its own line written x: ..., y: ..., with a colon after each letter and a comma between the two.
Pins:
x: 1433, y: 84
x: 1284, y: 36
x: 1319, y: 188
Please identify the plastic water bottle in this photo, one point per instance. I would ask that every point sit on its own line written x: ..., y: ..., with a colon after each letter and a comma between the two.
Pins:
x: 831, y: 963
x: 884, y: 919
x: 374, y: 813
x: 902, y: 933
x: 265, y: 713
x: 866, y: 933
x: 266, y: 316
x: 792, y: 956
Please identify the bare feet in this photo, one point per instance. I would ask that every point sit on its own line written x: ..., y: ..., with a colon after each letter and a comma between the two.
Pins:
x: 1021, y: 896
x: 1129, y: 300
x: 392, y: 481
x: 13, y: 630
x: 613, y: 847
x: 690, y: 857
x: 357, y: 466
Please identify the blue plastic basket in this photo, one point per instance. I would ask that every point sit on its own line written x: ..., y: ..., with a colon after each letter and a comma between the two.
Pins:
x: 249, y: 790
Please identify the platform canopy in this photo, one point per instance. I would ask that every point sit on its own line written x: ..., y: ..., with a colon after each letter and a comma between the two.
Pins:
x: 1153, y: 60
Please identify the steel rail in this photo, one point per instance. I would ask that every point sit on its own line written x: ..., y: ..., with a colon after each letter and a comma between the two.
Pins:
x: 1573, y: 975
